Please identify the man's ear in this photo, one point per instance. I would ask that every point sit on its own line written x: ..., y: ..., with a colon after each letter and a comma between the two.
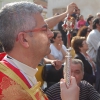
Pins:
x: 22, y: 38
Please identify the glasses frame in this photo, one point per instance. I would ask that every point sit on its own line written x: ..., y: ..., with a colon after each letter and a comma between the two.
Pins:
x: 43, y: 28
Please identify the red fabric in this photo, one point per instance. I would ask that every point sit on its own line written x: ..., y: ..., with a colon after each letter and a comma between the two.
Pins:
x: 2, y: 55
x: 68, y: 39
x: 6, y: 82
x: 1, y: 80
x: 81, y: 23
x: 17, y: 71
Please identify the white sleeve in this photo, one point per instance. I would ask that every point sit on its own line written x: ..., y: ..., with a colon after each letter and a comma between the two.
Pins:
x: 52, y: 49
x: 64, y: 48
x: 91, y: 47
x: 91, y: 41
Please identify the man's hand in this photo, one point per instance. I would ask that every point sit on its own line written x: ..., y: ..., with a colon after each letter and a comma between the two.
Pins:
x: 71, y: 92
x: 71, y: 8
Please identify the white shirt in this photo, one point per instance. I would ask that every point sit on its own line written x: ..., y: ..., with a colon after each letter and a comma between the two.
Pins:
x: 92, y: 41
x: 27, y: 71
x: 57, y: 53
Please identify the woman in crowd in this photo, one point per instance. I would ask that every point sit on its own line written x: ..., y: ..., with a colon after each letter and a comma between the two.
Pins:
x: 90, y: 22
x: 58, y: 50
x: 83, y: 31
x: 53, y: 72
x: 81, y: 21
x: 80, y: 46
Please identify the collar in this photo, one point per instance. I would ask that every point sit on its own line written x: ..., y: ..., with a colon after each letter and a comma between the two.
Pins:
x: 83, y: 55
x: 21, y: 66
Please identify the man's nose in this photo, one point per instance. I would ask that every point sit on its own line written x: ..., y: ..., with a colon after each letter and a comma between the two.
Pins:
x: 50, y: 33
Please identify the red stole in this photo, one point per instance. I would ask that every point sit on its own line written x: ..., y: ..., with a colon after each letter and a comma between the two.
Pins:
x: 17, y: 71
x: 7, y: 83
x: 2, y: 55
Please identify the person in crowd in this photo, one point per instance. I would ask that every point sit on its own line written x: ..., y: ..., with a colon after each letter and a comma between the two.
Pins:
x: 97, y: 85
x: 98, y: 14
x: 80, y: 46
x: 66, y: 93
x: 56, y: 63
x: 78, y: 12
x: 25, y: 37
x: 57, y: 56
x: 83, y: 31
x: 52, y: 62
x: 53, y: 74
x: 87, y: 91
x: 76, y: 16
x: 64, y: 33
x: 58, y: 50
x: 90, y: 15
x: 74, y: 30
x: 93, y: 39
x: 90, y: 22
x: 81, y: 21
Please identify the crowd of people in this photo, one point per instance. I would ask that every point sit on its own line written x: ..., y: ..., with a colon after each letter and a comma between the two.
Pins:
x: 85, y: 41
x: 26, y: 39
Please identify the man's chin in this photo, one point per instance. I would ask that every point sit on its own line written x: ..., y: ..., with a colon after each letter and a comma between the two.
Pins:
x: 48, y: 51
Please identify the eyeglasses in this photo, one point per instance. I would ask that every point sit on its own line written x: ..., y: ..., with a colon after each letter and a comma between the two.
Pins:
x: 43, y: 28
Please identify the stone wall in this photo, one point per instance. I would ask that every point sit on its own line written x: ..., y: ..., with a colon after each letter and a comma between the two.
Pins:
x: 86, y: 6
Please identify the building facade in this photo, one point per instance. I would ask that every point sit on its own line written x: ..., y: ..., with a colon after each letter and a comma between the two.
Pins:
x: 40, y: 2
x: 44, y: 3
x: 86, y: 6
x: 3, y: 2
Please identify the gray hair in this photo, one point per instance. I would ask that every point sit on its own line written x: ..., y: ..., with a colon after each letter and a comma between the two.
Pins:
x: 14, y: 18
x: 78, y: 61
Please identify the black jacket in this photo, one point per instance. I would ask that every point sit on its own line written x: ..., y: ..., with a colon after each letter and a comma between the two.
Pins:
x: 88, y: 74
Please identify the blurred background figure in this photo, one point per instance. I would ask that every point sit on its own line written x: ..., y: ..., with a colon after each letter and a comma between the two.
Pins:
x: 80, y: 46
x: 83, y: 31
x: 74, y: 30
x: 87, y: 91
x: 81, y: 21
x: 64, y: 33
x: 97, y: 85
x: 90, y: 22
x: 58, y: 50
x: 98, y: 14
x: 52, y: 73
x: 93, y: 39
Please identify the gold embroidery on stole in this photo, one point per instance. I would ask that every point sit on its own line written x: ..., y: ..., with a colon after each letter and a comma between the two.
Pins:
x: 35, y: 92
